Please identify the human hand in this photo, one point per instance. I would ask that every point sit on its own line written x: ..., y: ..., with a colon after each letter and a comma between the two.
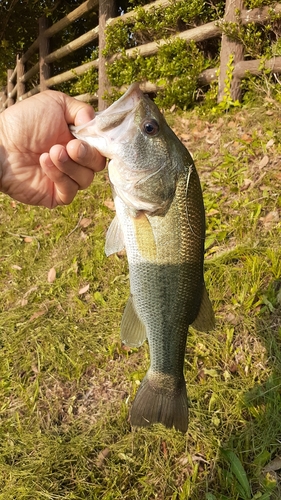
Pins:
x: 40, y: 162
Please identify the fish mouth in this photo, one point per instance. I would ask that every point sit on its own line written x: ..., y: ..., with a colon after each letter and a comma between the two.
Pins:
x: 111, y: 124
x: 126, y: 104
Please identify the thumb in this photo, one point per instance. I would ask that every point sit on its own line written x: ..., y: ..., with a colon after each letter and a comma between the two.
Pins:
x: 77, y: 112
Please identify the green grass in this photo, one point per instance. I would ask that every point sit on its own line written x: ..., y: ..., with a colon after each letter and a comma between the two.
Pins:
x: 66, y: 385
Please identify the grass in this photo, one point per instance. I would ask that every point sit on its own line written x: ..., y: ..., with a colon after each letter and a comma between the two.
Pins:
x: 66, y: 384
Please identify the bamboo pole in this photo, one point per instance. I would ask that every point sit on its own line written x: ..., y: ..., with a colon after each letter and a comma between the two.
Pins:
x: 3, y: 97
x: 20, y: 73
x: 10, y: 87
x: 44, y: 50
x: 14, y: 91
x: 209, y: 30
x: 72, y: 46
x: 106, y: 11
x: 254, y: 67
x: 30, y: 73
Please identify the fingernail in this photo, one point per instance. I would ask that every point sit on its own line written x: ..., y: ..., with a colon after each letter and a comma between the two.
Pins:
x: 63, y: 156
x: 82, y: 150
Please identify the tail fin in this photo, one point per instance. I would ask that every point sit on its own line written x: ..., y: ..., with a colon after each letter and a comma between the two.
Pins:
x: 151, y: 406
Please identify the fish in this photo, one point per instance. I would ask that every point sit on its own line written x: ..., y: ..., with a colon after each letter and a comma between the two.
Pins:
x: 160, y: 222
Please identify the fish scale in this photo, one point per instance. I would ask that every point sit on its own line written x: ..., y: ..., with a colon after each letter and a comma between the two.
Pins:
x: 160, y: 220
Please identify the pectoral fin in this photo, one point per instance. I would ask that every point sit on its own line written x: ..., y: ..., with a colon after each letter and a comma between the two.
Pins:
x: 114, y: 238
x: 144, y: 236
x: 205, y: 320
x: 133, y: 332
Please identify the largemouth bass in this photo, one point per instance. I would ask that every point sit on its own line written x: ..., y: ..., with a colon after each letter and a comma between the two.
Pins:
x: 160, y: 221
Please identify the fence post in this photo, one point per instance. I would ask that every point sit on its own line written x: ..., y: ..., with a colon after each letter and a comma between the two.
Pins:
x: 3, y: 96
x: 20, y: 73
x: 44, y: 50
x: 10, y: 87
x: 107, y: 9
x: 230, y: 49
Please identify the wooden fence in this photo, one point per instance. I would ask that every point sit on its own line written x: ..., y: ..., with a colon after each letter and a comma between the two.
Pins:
x: 17, y: 78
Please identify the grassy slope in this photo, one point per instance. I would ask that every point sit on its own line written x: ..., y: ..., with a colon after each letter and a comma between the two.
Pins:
x: 65, y: 383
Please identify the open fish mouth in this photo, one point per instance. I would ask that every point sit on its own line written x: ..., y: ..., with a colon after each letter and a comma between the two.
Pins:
x: 125, y: 104
x: 114, y: 123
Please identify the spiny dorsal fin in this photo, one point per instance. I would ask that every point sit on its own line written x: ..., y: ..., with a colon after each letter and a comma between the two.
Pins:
x: 133, y: 332
x: 144, y: 237
x: 114, y: 238
x: 205, y: 320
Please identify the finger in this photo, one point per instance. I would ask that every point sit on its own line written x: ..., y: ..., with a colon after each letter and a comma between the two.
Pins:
x: 65, y: 188
x: 83, y: 176
x: 65, y: 166
x: 80, y: 152
x: 77, y: 112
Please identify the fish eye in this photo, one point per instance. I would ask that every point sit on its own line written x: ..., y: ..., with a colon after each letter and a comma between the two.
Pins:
x: 150, y: 127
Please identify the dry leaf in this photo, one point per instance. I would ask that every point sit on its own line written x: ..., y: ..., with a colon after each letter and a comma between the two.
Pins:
x: 102, y: 456
x: 126, y: 348
x: 212, y: 139
x: 32, y: 289
x: 269, y: 143
x: 212, y: 211
x: 18, y: 268
x: 264, y: 161
x: 183, y: 461
x: 37, y: 315
x: 232, y: 124
x: 52, y: 275
x: 219, y: 123
x: 199, y: 458
x: 164, y: 449
x: 246, y: 138
x: 274, y: 465
x: 84, y: 289
x: 247, y: 183
x: 199, y: 134
x: 85, y: 222
x: 23, y: 302
x: 270, y: 218
x: 185, y: 137
x: 83, y: 236
x: 28, y: 239
x: 109, y: 204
